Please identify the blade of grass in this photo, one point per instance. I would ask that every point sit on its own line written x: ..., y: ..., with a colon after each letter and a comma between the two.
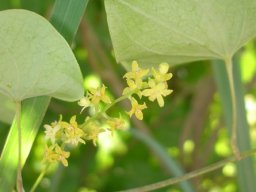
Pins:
x: 30, y: 122
x: 66, y: 18
x: 171, y: 165
x: 246, y: 175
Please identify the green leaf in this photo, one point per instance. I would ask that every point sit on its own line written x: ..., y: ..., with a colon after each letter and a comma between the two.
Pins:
x: 67, y: 16
x: 35, y: 59
x: 37, y: 106
x: 179, y: 31
x: 246, y: 175
x: 30, y: 122
x: 7, y: 109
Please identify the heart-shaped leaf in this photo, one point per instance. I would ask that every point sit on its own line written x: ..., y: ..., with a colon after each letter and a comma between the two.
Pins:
x: 179, y: 31
x: 7, y: 109
x: 35, y: 59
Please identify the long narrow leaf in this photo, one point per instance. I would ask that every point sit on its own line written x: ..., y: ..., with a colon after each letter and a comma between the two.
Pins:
x: 30, y: 121
x: 246, y: 177
x: 66, y: 18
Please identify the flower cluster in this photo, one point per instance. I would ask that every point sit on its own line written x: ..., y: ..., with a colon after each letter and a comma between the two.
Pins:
x: 61, y: 133
x: 94, y: 97
x: 99, y: 121
x: 149, y: 83
x: 141, y: 82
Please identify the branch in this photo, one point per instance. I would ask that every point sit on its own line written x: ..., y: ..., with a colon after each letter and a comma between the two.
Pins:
x: 192, y: 174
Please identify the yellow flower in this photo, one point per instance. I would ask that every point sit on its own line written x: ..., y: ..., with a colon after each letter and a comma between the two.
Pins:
x: 116, y: 123
x: 73, y: 134
x: 137, y: 109
x: 161, y: 75
x: 99, y: 94
x: 92, y: 129
x: 51, y: 131
x: 55, y: 153
x: 133, y: 87
x: 84, y: 102
x: 62, y: 155
x: 137, y: 73
x: 157, y: 91
x: 50, y: 155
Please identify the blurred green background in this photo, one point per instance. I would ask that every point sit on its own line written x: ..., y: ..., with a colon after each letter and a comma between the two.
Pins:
x: 189, y: 131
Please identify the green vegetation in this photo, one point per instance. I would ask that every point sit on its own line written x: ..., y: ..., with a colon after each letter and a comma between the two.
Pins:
x: 199, y: 138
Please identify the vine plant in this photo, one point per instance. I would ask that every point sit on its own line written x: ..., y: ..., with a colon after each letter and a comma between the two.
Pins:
x: 141, y: 83
x: 170, y: 38
x: 180, y: 32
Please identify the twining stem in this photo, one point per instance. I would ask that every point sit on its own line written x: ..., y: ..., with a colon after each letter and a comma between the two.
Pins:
x: 121, y: 98
x: 19, y: 184
x: 39, y: 178
x: 234, y: 144
x: 192, y: 174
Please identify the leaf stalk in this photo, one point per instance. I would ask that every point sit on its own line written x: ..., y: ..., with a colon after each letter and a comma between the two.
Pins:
x: 19, y: 184
x: 234, y: 145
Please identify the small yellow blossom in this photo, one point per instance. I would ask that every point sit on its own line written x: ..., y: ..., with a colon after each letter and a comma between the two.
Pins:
x: 55, y: 153
x: 62, y: 155
x: 133, y: 87
x: 161, y: 75
x: 137, y: 73
x: 92, y: 130
x: 99, y: 94
x: 50, y: 155
x: 51, y: 131
x: 84, y: 102
x: 157, y: 91
x: 73, y: 134
x: 116, y: 123
x: 137, y: 109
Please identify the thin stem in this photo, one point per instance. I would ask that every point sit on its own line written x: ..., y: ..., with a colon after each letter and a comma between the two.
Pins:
x: 229, y: 68
x: 19, y: 184
x: 123, y: 97
x: 192, y: 174
x: 39, y: 178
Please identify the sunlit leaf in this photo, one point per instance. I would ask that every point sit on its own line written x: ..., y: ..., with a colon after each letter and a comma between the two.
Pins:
x: 248, y: 64
x: 245, y: 168
x: 33, y: 109
x: 35, y: 59
x: 179, y: 31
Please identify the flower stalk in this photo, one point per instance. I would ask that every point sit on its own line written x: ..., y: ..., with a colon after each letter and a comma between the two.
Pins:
x: 150, y: 83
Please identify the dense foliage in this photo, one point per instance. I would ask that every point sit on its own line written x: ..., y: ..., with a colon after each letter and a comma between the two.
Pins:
x: 188, y: 132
